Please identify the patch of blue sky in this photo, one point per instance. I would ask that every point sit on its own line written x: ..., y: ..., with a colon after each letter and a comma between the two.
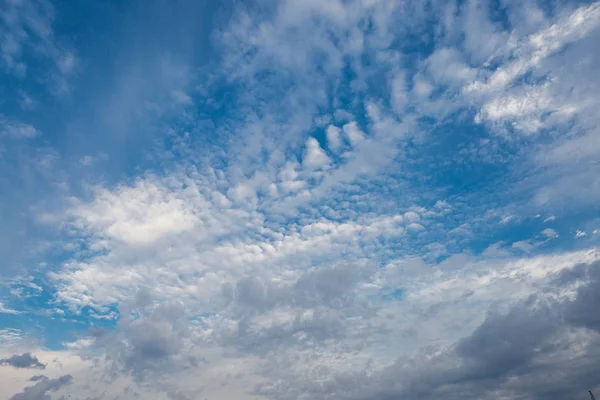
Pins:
x: 42, y: 318
x: 390, y: 294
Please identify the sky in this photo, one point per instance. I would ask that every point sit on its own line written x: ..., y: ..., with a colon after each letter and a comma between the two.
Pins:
x: 299, y: 199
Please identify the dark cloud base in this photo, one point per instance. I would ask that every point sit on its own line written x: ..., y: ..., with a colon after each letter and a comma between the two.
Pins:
x: 25, y: 360
x: 40, y: 390
x: 545, y: 347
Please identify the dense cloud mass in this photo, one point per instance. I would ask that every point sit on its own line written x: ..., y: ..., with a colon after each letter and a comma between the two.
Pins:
x: 511, y: 354
x: 299, y: 199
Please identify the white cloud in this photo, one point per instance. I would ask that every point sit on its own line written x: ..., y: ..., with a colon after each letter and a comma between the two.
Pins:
x: 334, y: 142
x: 8, y: 310
x: 315, y: 157
x: 550, y: 233
x: 353, y: 133
x: 11, y: 336
x: 16, y: 129
x: 446, y: 67
x: 139, y: 215
x: 532, y: 50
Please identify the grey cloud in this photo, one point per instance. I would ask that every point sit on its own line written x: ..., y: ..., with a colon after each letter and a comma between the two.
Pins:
x: 40, y: 390
x: 506, y: 342
x: 25, y: 360
x: 152, y: 339
x: 535, y: 350
x: 583, y: 309
x: 300, y: 331
x: 315, y: 305
x: 331, y: 287
x: 322, y: 287
x: 148, y: 334
x: 36, y: 378
x: 97, y: 332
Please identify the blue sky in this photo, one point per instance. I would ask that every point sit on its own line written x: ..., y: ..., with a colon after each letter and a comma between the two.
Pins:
x: 299, y: 199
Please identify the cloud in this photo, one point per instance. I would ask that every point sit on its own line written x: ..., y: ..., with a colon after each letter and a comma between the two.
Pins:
x: 10, y: 336
x: 510, y: 353
x: 8, y: 310
x: 26, y: 31
x: 311, y: 199
x: 16, y: 129
x: 25, y: 360
x: 315, y: 157
x: 40, y: 390
x: 334, y: 142
x: 535, y: 48
x: 550, y: 233
x: 139, y: 215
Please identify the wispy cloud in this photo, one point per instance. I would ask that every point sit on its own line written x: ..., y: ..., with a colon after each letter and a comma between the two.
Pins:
x: 28, y: 37
x: 8, y: 310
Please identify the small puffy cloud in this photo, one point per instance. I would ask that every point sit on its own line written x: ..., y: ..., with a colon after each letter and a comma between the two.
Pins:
x: 181, y: 97
x: 415, y: 227
x: 243, y: 193
x: 411, y: 216
x: 315, y: 157
x: 550, y: 233
x: 579, y: 234
x: 25, y: 360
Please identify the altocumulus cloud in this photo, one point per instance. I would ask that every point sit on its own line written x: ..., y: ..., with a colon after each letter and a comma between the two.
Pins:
x: 299, y: 199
